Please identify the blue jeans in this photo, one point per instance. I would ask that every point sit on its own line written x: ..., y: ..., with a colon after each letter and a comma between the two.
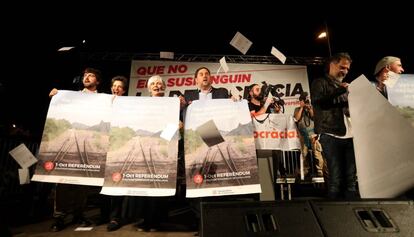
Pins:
x: 340, y: 159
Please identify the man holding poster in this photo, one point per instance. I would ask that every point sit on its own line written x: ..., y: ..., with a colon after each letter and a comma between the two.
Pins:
x: 332, y: 121
x: 70, y: 197
x: 219, y: 146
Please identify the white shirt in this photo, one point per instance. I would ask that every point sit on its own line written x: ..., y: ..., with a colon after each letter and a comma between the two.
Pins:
x: 203, y: 95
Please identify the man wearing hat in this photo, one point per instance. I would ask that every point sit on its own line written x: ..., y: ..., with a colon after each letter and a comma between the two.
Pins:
x: 386, y: 66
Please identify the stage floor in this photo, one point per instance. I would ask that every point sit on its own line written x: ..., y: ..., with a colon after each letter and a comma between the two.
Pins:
x: 42, y: 229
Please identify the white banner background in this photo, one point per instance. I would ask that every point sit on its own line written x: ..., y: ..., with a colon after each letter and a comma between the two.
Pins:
x: 290, y: 80
x: 276, y: 132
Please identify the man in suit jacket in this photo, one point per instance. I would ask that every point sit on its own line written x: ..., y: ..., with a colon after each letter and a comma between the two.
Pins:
x: 205, y: 90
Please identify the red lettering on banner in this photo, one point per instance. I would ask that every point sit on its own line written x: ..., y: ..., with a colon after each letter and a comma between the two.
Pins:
x: 226, y: 79
x: 180, y: 81
x: 177, y: 68
x: 292, y: 103
x: 275, y: 134
x: 151, y: 70
x: 141, y: 83
x: 261, y: 134
x: 141, y: 71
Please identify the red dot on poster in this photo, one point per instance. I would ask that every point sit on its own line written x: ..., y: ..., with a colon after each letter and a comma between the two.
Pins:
x: 49, y: 165
x: 116, y: 177
x: 198, y: 178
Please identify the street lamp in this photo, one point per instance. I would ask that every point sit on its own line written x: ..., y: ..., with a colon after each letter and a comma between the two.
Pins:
x: 325, y: 34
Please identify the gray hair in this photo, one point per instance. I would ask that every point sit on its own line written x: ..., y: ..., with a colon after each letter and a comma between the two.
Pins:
x: 155, y: 79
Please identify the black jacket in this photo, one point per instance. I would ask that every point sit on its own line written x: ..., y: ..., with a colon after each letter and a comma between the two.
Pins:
x: 329, y: 100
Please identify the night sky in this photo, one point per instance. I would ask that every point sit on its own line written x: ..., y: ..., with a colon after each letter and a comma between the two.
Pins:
x: 33, y: 65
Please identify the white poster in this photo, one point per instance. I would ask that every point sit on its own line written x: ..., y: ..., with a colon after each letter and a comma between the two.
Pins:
x: 75, y: 139
x: 142, y: 157
x: 220, y: 155
x: 383, y: 142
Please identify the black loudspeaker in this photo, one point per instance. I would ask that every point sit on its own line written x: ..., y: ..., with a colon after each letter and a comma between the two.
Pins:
x: 365, y: 218
x: 289, y: 218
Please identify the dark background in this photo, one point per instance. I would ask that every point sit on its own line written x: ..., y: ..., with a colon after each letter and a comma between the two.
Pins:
x: 32, y: 66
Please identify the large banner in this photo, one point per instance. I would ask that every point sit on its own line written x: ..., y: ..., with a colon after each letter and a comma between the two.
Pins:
x: 142, y: 159
x: 401, y: 95
x: 284, y: 81
x: 276, y: 132
x: 220, y: 155
x: 75, y: 139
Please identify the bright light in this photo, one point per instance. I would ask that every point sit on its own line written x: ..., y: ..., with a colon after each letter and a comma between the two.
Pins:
x: 14, y: 125
x: 65, y: 48
x: 322, y: 35
x: 84, y: 41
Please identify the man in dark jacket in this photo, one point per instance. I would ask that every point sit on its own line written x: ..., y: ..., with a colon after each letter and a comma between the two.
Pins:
x: 205, y: 90
x: 330, y: 101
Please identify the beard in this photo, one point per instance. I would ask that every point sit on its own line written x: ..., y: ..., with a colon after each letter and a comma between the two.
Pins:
x: 88, y: 84
x: 340, y: 77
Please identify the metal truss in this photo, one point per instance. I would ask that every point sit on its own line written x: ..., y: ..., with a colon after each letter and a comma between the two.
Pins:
x: 252, y: 59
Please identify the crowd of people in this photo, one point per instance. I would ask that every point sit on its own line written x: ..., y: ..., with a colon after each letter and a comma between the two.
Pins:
x: 322, y: 120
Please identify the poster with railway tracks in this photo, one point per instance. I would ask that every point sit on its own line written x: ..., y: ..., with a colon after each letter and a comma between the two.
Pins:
x: 142, y: 156
x: 75, y: 139
x: 401, y: 96
x: 220, y: 152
